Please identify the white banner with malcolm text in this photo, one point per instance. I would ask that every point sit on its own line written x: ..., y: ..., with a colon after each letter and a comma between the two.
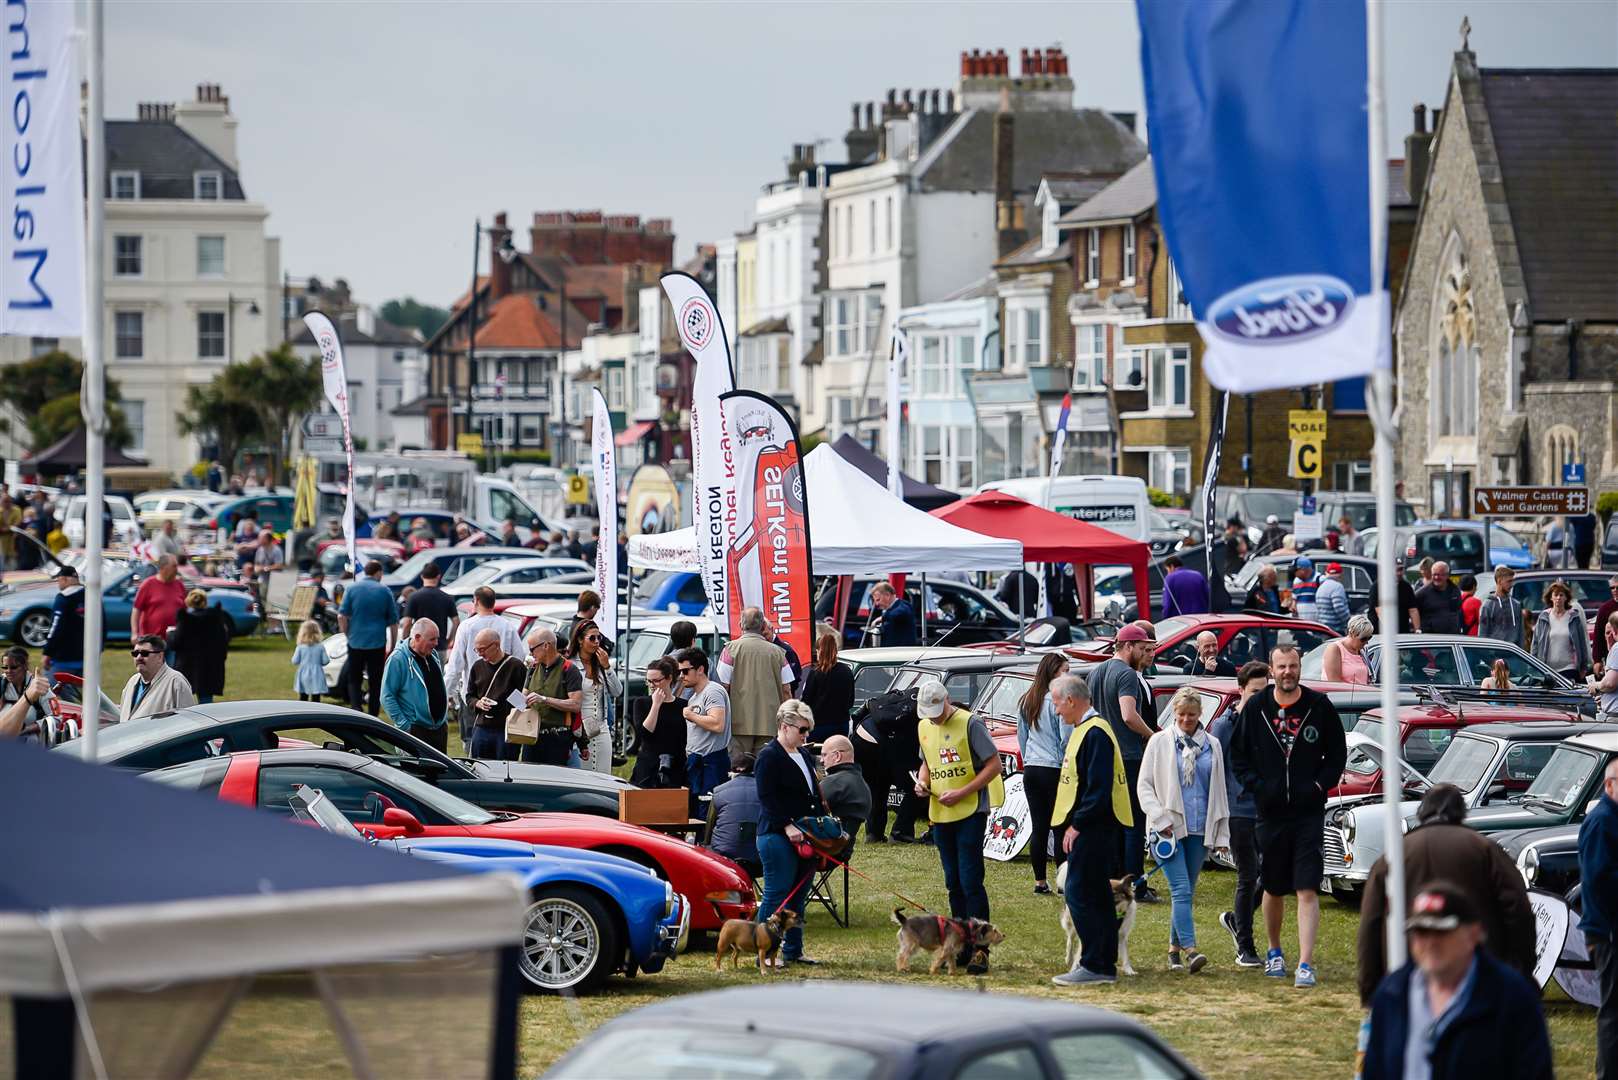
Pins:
x: 42, y: 276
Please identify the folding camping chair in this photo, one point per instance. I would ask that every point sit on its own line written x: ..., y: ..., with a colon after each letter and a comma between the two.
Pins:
x: 823, y: 891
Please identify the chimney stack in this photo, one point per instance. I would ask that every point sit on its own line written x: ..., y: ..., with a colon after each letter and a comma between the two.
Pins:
x: 860, y: 142
x: 499, y: 268
x: 1009, y: 232
x: 1418, y: 151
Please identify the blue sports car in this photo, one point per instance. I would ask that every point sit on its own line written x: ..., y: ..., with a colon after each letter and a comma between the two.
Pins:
x: 25, y: 613
x: 589, y: 913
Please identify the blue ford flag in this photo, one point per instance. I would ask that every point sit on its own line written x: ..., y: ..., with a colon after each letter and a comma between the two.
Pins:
x: 1260, y: 146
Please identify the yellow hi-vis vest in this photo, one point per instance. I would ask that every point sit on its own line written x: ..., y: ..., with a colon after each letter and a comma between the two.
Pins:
x: 1067, y: 789
x: 948, y: 754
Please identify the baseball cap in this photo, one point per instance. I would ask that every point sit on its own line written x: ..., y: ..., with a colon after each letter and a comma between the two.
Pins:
x: 1303, y: 562
x: 64, y: 570
x: 1334, y: 568
x: 1272, y: 520
x: 1440, y: 906
x: 1131, y: 632
x: 931, y: 699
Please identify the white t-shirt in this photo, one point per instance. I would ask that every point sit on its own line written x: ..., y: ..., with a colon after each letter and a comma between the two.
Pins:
x: 1609, y: 700
x: 797, y: 759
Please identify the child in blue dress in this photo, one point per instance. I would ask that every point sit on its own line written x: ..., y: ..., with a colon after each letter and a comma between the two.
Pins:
x: 310, y: 659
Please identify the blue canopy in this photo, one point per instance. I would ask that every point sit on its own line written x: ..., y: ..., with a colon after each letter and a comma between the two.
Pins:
x: 139, y: 880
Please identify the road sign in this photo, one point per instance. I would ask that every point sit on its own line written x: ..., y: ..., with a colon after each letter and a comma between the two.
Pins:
x: 578, y: 490
x: 1573, y: 472
x: 1306, y: 428
x: 469, y: 443
x: 1529, y: 501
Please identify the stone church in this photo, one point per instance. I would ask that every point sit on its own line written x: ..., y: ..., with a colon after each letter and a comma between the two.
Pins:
x: 1506, y: 332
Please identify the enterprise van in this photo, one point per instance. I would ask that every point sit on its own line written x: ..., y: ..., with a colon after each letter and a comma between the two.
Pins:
x: 1118, y: 503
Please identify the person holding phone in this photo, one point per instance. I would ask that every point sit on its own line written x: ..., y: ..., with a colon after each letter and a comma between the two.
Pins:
x: 661, y: 762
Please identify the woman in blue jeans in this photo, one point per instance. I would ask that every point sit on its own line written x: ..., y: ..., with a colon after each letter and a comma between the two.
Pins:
x: 1182, y: 794
x: 787, y: 792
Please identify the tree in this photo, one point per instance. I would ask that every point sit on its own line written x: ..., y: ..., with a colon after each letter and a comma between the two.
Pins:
x: 408, y: 312
x: 281, y: 385
x: 45, y: 392
x: 256, y: 400
x: 217, y: 412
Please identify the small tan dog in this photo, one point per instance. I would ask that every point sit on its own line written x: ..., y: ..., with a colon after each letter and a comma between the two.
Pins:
x: 1123, y: 899
x: 744, y: 935
x: 944, y: 938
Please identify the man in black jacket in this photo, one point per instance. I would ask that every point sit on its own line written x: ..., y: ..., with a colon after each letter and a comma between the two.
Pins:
x: 1288, y: 750
x: 887, y: 751
x: 64, y: 647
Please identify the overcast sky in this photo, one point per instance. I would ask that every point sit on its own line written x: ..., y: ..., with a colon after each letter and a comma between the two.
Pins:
x: 376, y: 132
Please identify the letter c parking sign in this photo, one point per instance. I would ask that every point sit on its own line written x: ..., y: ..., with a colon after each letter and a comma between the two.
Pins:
x: 1307, y: 431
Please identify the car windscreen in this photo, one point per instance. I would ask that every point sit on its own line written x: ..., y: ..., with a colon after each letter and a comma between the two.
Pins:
x: 646, y: 646
x: 1564, y: 778
x: 120, y: 740
x: 1259, y: 505
x: 411, y: 568
x: 655, y: 1052
x: 1464, y: 763
x: 452, y: 807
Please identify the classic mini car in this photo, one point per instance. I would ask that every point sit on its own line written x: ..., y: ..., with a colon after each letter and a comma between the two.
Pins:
x: 882, y: 1032
x: 390, y: 803
x: 1547, y: 858
x: 226, y: 727
x: 1242, y: 637
x: 1564, y: 790
x: 25, y: 613
x: 1492, y: 763
x: 452, y: 563
x: 588, y: 915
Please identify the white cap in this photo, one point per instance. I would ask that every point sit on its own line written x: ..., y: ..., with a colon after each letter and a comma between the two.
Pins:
x: 931, y: 699
x: 1272, y: 520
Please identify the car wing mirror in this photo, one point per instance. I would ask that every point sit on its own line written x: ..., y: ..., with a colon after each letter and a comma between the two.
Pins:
x: 397, y: 818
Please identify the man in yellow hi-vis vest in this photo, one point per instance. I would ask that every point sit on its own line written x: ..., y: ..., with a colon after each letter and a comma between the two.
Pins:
x: 1092, y: 797
x: 960, y: 777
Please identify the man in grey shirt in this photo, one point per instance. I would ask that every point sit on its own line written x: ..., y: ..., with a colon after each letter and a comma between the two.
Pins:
x: 707, y: 724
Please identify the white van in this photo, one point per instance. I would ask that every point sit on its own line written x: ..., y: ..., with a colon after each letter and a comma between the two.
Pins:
x: 1118, y: 503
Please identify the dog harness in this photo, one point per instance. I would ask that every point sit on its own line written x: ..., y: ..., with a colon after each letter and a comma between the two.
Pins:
x: 967, y: 933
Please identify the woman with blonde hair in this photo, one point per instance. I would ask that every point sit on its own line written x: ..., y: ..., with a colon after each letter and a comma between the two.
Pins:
x: 310, y: 659
x: 1183, y: 797
x: 1499, y: 677
x: 1344, y: 659
x: 199, y: 641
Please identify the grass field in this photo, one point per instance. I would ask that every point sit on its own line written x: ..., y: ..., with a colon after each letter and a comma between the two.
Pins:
x: 1230, y: 1022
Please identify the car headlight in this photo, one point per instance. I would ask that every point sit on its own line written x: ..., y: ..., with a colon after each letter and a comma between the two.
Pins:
x: 726, y: 896
x: 1528, y: 863
x: 668, y: 899
x: 1349, y: 829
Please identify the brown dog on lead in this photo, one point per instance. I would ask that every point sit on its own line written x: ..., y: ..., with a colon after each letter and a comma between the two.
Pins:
x: 944, y: 938
x: 744, y: 935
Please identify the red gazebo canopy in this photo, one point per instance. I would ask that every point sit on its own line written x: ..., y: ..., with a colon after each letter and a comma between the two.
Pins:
x: 1047, y: 536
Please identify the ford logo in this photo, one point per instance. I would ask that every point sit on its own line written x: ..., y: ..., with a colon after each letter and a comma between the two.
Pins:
x: 1281, y: 310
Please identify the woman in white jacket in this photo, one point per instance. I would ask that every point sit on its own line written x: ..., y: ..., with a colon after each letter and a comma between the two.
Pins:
x: 600, y: 685
x: 1182, y: 794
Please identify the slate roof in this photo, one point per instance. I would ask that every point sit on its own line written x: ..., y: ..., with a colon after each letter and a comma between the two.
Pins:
x: 166, y: 157
x: 1087, y: 140
x: 1130, y: 196
x: 1557, y: 144
x: 349, y: 333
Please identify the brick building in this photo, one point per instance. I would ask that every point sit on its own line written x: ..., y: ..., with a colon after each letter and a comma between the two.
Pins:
x: 1507, y: 329
x: 583, y: 269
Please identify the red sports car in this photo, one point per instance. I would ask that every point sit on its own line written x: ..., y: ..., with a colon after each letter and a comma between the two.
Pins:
x: 387, y: 802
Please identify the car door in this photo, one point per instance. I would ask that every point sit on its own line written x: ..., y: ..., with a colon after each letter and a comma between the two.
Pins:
x: 1422, y: 664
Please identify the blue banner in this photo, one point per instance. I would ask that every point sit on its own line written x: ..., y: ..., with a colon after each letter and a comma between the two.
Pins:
x: 1260, y: 146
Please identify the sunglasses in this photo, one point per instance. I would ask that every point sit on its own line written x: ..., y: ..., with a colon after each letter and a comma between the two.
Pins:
x: 686, y: 670
x: 592, y: 640
x: 138, y: 653
x: 800, y: 728
x: 11, y: 667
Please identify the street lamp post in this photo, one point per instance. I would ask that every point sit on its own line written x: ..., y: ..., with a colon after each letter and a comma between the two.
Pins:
x: 231, y: 301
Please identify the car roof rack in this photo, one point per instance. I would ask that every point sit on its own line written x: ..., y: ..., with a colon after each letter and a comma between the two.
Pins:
x: 1571, y: 699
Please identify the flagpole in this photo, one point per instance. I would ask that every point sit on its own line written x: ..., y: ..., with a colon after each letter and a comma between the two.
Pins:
x: 93, y: 403
x: 1382, y: 419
